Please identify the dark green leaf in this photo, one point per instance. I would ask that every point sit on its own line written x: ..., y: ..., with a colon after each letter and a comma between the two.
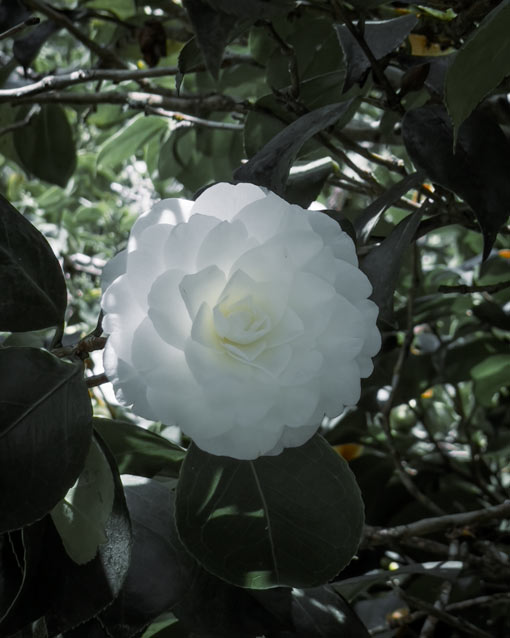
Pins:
x: 367, y: 220
x: 478, y: 169
x: 382, y: 264
x: 82, y: 591
x: 34, y: 294
x: 293, y: 519
x: 190, y: 59
x: 161, y: 571
x: 319, y: 612
x: 46, y: 425
x: 480, y: 65
x: 139, y: 451
x: 271, y: 165
x: 213, y: 30
x: 27, y: 47
x: 490, y: 376
x: 255, y: 9
x: 382, y: 37
x: 45, y: 146
x: 306, y: 182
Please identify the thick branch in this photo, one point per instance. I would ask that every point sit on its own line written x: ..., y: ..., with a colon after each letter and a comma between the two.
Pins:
x: 378, y: 536
x: 136, y: 100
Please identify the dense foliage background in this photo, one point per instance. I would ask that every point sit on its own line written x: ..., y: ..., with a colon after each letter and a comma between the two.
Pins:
x: 395, y: 117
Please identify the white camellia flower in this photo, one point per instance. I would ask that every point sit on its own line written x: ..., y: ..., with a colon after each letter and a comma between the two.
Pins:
x: 240, y: 318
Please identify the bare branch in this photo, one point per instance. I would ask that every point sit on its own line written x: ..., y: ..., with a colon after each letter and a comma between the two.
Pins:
x: 464, y: 290
x: 30, y: 22
x: 137, y: 100
x: 106, y: 56
x: 191, y: 119
x: 379, y: 536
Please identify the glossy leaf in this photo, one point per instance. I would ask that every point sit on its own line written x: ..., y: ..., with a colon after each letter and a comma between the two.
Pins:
x: 121, y: 146
x: 46, y: 411
x: 161, y: 571
x: 381, y: 36
x: 271, y: 165
x: 34, y: 294
x: 293, y: 519
x: 382, y: 264
x: 139, y: 451
x: 82, y: 591
x: 490, y: 376
x: 480, y: 65
x: 213, y: 30
x: 477, y: 170
x: 45, y: 145
x: 81, y: 516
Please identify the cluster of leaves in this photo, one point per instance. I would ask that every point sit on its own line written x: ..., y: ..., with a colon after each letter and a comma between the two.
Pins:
x: 393, y: 116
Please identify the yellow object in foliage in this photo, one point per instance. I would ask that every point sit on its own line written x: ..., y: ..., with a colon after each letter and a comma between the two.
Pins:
x: 420, y: 45
x: 427, y: 394
x: 349, y: 451
x: 505, y: 253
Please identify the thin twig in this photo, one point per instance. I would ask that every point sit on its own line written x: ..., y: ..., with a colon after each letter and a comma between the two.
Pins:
x: 96, y: 379
x: 30, y: 22
x: 465, y: 290
x: 22, y: 123
x: 447, y: 618
x: 379, y: 536
x: 191, y: 119
x: 107, y: 57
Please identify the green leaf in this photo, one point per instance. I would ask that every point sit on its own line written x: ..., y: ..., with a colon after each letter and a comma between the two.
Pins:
x: 81, y: 517
x: 213, y: 30
x: 34, y: 294
x: 139, y: 451
x: 476, y: 169
x: 490, y: 376
x: 294, y: 519
x: 382, y: 264
x: 161, y: 572
x: 271, y: 165
x: 45, y: 431
x: 126, y: 142
x: 122, y: 8
x: 45, y: 146
x: 480, y: 65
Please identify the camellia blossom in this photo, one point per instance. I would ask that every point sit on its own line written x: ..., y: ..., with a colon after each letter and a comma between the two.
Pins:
x: 240, y: 318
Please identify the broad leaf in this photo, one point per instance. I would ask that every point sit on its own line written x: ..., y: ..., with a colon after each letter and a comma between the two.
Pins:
x: 490, y: 376
x: 161, y: 572
x: 477, y: 170
x: 81, y: 517
x: 213, y: 29
x: 367, y: 220
x: 45, y: 146
x: 45, y: 432
x: 139, y: 451
x: 319, y: 611
x: 26, y: 47
x: 255, y: 9
x: 131, y: 138
x: 293, y: 519
x: 382, y: 37
x: 83, y: 591
x: 34, y: 294
x: 382, y: 264
x: 271, y: 165
x: 480, y: 65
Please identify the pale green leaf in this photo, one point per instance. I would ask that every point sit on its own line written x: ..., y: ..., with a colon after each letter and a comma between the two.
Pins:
x: 81, y: 516
x: 130, y: 139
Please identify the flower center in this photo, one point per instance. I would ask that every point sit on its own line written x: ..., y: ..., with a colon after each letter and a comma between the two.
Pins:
x: 242, y: 322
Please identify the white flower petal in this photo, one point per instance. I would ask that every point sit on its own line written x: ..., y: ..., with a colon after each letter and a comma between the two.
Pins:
x: 223, y: 245
x: 167, y: 309
x: 181, y: 248
x: 225, y: 200
x: 113, y: 269
x: 202, y: 287
x: 167, y: 211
